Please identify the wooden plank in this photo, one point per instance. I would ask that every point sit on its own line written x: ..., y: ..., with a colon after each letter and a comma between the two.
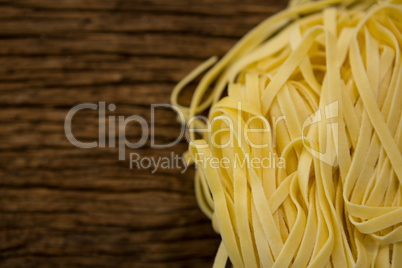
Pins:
x: 222, y: 7
x: 63, y: 206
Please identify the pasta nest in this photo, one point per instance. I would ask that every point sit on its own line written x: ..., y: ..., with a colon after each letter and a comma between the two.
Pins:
x: 305, y: 111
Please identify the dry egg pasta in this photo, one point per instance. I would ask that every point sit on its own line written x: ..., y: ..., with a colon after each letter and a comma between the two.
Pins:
x: 306, y: 112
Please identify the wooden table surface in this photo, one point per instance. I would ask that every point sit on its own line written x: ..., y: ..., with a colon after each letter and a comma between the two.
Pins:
x: 63, y: 206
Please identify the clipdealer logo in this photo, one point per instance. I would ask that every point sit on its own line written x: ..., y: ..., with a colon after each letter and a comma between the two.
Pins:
x: 147, y: 131
x: 327, y: 115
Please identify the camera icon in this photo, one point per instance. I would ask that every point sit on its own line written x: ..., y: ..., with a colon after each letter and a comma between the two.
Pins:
x: 327, y: 117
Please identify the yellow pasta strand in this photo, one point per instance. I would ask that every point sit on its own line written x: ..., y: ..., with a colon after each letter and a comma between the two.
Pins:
x: 301, y: 165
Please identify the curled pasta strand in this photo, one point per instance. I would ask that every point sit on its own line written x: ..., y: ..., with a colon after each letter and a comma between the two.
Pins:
x: 307, y: 143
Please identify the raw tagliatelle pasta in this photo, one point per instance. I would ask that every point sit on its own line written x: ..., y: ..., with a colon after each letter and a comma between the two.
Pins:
x: 299, y: 163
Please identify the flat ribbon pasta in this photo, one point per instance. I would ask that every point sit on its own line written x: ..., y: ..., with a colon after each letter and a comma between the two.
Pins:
x: 301, y: 165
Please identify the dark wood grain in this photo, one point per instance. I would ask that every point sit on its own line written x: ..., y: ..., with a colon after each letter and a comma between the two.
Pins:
x: 62, y: 206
